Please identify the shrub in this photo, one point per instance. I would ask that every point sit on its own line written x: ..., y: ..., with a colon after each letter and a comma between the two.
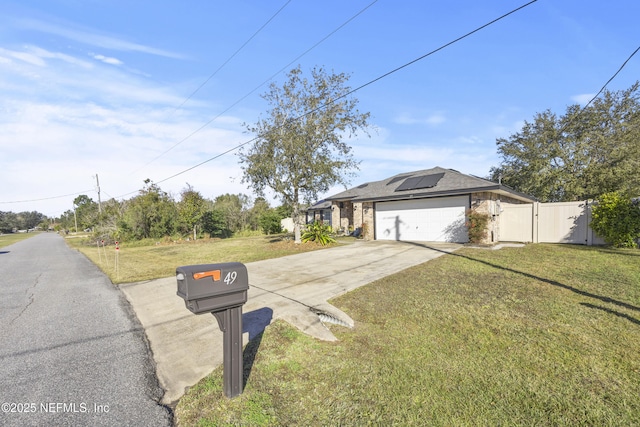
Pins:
x: 318, y: 232
x: 477, y: 225
x: 270, y: 222
x: 616, y: 219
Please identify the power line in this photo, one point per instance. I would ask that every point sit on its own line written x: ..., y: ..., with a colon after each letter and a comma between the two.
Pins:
x: 612, y: 77
x: 263, y: 83
x: 209, y: 78
x: 352, y: 91
x: 47, y: 198
x: 318, y: 108
x: 573, y: 118
x: 234, y: 54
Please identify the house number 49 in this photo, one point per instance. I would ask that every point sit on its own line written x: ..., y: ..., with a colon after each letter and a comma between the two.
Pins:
x: 230, y: 277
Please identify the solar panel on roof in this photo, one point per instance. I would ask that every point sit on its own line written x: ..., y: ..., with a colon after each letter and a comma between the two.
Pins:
x: 422, y: 181
x: 397, y: 178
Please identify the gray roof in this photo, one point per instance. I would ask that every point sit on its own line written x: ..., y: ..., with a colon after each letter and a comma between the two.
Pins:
x: 434, y: 182
x: 322, y: 204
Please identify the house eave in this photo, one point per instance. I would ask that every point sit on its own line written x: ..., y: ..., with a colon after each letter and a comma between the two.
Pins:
x: 498, y: 189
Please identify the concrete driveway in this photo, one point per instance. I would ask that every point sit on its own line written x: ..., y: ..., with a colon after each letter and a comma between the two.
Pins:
x: 186, y: 347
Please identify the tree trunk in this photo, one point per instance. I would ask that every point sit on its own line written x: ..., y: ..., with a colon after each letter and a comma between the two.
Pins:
x: 296, y: 217
x: 296, y: 232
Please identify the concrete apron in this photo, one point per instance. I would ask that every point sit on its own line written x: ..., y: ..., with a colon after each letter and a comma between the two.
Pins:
x: 187, y: 347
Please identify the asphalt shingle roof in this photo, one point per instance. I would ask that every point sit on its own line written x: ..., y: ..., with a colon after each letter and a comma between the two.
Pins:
x: 452, y: 182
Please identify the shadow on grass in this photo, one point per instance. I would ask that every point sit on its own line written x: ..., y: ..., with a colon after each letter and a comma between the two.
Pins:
x: 615, y: 313
x: 542, y: 279
x: 253, y: 322
x: 609, y: 250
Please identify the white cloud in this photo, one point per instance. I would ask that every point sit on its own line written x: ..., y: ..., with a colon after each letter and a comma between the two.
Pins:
x: 27, y: 57
x: 470, y: 140
x: 91, y: 38
x: 583, y: 99
x: 43, y: 73
x: 47, y: 54
x: 107, y: 60
x: 66, y: 121
x: 431, y: 120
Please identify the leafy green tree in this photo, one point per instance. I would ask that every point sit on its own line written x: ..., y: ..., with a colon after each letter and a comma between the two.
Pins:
x: 86, y: 211
x: 269, y: 222
x: 616, y: 218
x: 66, y: 220
x: 215, y: 224
x: 578, y: 156
x: 234, y: 207
x: 152, y: 213
x: 7, y: 222
x: 191, y: 208
x: 284, y: 211
x: 31, y: 219
x: 26, y: 220
x: 299, y: 150
x: 260, y: 207
x: 113, y: 213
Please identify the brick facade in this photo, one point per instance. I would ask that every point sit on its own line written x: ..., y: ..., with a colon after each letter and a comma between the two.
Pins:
x: 342, y: 217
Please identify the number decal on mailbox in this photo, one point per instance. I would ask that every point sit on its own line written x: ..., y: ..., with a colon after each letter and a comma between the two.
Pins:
x: 230, y: 277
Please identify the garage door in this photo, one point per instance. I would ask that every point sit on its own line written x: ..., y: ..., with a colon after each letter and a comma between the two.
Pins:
x: 427, y: 220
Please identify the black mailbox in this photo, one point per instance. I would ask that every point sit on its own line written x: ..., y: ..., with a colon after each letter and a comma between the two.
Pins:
x: 219, y: 289
x: 207, y: 288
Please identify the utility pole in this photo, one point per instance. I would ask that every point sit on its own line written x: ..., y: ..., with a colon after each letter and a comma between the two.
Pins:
x: 99, y: 201
x: 75, y: 218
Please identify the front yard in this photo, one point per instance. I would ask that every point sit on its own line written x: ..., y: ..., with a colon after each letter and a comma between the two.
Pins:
x: 540, y: 335
x: 146, y: 260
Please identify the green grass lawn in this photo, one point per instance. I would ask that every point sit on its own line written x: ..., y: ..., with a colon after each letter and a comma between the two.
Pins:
x: 149, y: 259
x: 10, y: 239
x: 539, y: 335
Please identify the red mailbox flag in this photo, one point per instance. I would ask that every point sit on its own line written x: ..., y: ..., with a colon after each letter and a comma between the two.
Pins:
x: 214, y: 274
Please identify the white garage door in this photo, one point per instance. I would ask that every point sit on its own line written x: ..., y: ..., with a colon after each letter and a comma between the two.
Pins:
x: 426, y: 220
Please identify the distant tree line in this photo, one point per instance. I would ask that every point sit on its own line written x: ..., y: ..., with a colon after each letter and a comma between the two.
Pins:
x: 11, y: 222
x: 156, y: 214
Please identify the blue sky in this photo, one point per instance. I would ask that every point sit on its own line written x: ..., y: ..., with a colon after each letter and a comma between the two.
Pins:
x: 107, y: 87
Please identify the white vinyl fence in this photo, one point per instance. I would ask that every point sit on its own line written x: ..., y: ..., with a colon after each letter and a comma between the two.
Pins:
x: 548, y: 223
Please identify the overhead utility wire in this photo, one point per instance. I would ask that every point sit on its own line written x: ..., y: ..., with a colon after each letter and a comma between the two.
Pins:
x: 264, y: 82
x: 48, y: 198
x: 425, y: 55
x: 612, y: 77
x: 356, y: 89
x: 573, y: 118
x: 235, y: 53
x: 209, y: 78
x: 258, y: 87
x: 235, y: 103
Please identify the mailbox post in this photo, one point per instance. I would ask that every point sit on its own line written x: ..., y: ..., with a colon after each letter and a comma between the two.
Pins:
x: 219, y: 289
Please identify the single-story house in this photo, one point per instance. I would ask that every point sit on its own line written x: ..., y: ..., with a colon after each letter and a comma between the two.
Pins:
x: 319, y: 212
x: 425, y: 205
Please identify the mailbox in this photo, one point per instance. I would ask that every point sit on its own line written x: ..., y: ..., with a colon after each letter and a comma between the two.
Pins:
x: 208, y: 288
x: 219, y: 289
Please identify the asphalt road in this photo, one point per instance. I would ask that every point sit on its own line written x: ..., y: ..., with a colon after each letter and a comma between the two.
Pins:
x: 72, y: 353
